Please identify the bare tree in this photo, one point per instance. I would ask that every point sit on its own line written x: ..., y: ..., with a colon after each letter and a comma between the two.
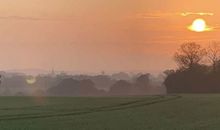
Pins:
x: 189, y: 54
x: 213, y: 54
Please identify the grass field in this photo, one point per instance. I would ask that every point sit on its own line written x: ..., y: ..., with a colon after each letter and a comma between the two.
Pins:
x: 177, y: 112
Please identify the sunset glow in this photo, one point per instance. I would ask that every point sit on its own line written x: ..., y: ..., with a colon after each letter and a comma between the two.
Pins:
x: 67, y: 35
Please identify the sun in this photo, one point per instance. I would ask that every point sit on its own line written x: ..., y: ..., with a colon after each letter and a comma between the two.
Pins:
x: 199, y: 25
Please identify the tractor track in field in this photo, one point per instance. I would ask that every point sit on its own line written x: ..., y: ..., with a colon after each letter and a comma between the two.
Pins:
x: 122, y: 106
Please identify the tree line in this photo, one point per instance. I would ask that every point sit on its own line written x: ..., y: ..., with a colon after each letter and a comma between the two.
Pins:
x: 198, y: 69
x: 117, y: 84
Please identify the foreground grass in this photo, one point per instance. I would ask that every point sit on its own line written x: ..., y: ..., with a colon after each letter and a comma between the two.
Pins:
x: 182, y: 112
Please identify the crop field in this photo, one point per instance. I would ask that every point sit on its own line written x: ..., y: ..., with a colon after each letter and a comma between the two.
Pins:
x: 174, y: 112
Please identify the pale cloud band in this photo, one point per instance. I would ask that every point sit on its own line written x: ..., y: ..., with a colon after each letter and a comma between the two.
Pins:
x: 157, y: 15
x: 18, y: 18
x: 34, y: 18
x: 199, y: 13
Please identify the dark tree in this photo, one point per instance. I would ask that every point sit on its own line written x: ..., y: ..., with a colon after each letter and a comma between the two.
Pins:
x: 192, y: 76
x: 121, y: 88
x: 189, y: 54
x: 213, y: 54
x: 72, y: 87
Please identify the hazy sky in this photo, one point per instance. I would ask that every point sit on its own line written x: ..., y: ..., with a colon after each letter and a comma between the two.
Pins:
x: 96, y: 35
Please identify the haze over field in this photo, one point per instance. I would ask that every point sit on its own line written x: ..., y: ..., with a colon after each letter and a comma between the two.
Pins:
x: 96, y: 35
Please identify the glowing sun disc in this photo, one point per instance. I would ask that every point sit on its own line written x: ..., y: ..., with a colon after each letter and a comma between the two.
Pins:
x: 199, y: 25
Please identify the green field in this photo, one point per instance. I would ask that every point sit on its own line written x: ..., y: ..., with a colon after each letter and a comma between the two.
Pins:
x: 177, y: 112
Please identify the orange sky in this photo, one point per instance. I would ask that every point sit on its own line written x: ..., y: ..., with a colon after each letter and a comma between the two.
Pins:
x: 96, y: 35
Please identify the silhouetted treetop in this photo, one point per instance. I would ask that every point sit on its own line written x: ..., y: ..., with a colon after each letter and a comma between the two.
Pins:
x: 189, y: 54
x: 213, y: 54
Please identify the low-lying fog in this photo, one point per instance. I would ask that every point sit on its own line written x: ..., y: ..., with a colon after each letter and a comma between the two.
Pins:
x: 118, y: 84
